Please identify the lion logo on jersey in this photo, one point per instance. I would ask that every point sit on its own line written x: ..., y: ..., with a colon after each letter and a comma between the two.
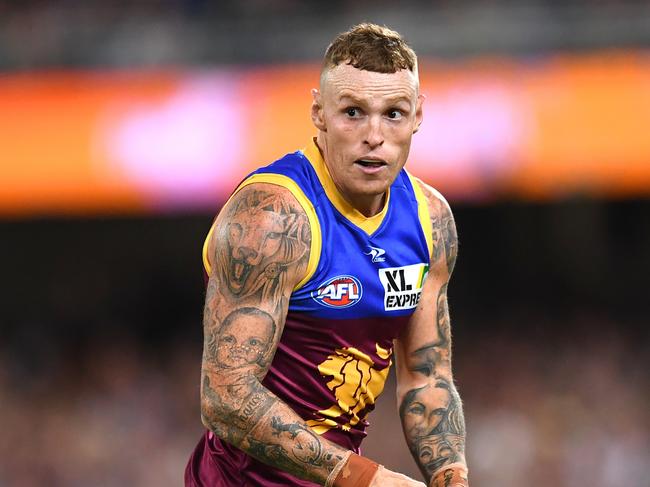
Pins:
x: 260, y: 247
x: 356, y: 384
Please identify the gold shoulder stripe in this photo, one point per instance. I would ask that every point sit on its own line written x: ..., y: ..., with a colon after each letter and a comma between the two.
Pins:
x: 206, y: 244
x: 316, y: 236
x: 423, y: 212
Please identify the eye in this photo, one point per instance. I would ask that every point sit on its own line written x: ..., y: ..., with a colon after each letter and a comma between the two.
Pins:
x: 416, y: 408
x: 273, y: 235
x: 445, y: 450
x: 394, y: 114
x: 352, y: 112
x: 228, y: 339
x: 426, y: 453
x: 440, y: 412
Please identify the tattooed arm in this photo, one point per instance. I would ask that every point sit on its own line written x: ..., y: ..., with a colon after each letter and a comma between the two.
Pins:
x: 429, y: 405
x: 259, y: 251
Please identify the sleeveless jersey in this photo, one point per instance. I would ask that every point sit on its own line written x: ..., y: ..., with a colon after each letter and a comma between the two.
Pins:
x: 363, y: 282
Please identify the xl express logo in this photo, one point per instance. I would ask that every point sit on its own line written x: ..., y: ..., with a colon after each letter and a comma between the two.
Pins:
x: 339, y: 292
x: 403, y: 285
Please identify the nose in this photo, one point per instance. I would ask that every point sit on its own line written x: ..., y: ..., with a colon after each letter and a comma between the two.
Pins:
x: 244, y: 253
x: 374, y: 135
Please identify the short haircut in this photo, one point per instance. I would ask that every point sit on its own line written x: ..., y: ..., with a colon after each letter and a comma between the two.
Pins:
x: 371, y: 47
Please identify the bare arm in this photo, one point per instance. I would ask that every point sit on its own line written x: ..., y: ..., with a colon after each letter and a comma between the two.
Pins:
x: 429, y: 404
x: 259, y: 250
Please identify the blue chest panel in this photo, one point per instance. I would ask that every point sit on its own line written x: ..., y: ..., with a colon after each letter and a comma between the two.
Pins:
x: 360, y: 275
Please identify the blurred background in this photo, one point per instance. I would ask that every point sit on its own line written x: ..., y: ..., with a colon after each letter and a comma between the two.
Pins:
x: 125, y: 125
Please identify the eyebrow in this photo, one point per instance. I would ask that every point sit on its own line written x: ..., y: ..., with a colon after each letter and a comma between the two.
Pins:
x: 392, y: 99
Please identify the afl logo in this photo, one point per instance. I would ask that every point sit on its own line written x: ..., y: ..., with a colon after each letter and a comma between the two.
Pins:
x: 338, y: 292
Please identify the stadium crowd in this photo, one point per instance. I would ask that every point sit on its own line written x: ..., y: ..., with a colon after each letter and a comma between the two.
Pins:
x: 540, y: 412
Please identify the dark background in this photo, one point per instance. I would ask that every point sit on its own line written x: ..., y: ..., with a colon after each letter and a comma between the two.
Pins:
x: 101, y: 346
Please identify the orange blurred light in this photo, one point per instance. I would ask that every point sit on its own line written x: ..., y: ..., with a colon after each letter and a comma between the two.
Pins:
x: 87, y: 142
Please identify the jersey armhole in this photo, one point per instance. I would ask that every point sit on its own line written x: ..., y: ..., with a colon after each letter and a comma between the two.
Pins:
x: 314, y: 225
x: 423, y: 213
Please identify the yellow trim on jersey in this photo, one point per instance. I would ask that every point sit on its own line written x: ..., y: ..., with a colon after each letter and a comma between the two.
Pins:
x: 367, y: 224
x: 206, y: 244
x: 423, y: 213
x: 316, y: 236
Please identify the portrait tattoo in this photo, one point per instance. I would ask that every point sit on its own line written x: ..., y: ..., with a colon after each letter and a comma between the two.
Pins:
x: 244, y: 339
x: 445, y: 238
x: 432, y: 415
x: 434, y: 426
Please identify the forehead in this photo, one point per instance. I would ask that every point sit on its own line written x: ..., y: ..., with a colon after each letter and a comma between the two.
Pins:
x: 249, y: 323
x: 431, y: 394
x: 267, y: 217
x: 345, y: 81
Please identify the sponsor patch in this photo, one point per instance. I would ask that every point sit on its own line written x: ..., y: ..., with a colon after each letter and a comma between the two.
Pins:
x: 403, y: 285
x: 339, y: 292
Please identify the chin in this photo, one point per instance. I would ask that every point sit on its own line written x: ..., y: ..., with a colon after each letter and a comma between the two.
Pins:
x: 371, y: 188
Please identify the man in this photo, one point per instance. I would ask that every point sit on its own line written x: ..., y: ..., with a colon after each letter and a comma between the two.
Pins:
x: 322, y: 267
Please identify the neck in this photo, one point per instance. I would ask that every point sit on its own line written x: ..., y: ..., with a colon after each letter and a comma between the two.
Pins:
x: 367, y: 205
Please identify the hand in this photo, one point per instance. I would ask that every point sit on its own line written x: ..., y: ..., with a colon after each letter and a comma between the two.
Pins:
x: 388, y: 478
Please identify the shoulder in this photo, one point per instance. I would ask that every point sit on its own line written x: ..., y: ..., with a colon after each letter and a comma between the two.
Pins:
x: 264, y: 194
x: 262, y: 210
x: 443, y: 226
x: 436, y: 202
x: 261, y: 238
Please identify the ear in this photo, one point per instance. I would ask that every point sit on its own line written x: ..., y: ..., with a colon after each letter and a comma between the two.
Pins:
x: 317, y: 110
x: 418, y: 112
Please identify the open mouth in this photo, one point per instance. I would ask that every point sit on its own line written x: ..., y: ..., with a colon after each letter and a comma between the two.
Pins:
x: 239, y: 271
x: 371, y: 163
x: 436, y: 464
